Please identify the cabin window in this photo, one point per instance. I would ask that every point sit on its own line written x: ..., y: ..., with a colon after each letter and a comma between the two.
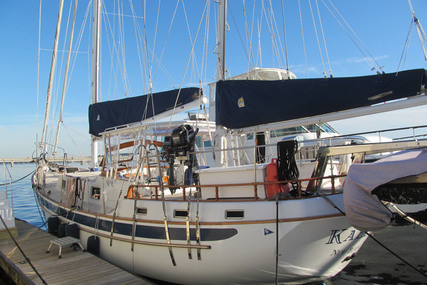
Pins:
x: 95, y: 193
x: 180, y: 213
x: 200, y: 141
x: 234, y: 214
x: 64, y: 182
x: 141, y: 211
x: 287, y: 132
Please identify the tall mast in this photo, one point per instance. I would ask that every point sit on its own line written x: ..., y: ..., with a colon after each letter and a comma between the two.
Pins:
x: 51, y: 76
x: 95, y: 71
x: 220, y: 74
x: 222, y: 23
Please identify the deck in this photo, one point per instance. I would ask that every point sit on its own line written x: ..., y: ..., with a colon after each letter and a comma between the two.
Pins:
x: 75, y: 267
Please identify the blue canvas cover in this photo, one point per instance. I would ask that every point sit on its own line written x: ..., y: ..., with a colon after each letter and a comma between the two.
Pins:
x: 245, y: 103
x: 108, y: 114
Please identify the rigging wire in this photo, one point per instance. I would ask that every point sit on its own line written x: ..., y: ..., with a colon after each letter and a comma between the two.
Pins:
x: 70, y: 72
x: 52, y: 72
x: 193, y: 57
x: 128, y: 91
x: 373, y: 238
x: 275, y: 31
x: 72, y: 140
x: 17, y: 180
x: 252, y: 34
x: 324, y: 39
x: 66, y: 74
x: 188, y: 61
x: 239, y: 34
x: 115, y: 52
x: 270, y: 29
x: 205, y: 49
x: 365, y: 53
x: 150, y: 82
x: 159, y: 60
x: 248, y: 36
x: 421, y: 34
x: 155, y: 37
x: 138, y: 38
x: 402, y: 60
x: 22, y: 252
x: 55, y: 86
x: 38, y: 79
x: 59, y: 72
x: 284, y: 37
x: 317, y: 39
x: 303, y: 40
x: 259, y: 50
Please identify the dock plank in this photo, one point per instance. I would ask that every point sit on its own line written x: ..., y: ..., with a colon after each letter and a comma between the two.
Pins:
x: 75, y: 266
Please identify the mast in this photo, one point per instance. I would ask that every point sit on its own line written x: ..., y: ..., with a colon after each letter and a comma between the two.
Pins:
x: 51, y: 75
x: 220, y: 74
x: 222, y: 23
x: 95, y: 71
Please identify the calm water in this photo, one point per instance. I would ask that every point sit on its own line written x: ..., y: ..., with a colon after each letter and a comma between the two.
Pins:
x: 24, y: 202
x: 372, y: 265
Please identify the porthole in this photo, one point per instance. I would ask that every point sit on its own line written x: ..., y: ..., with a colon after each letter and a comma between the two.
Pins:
x: 180, y: 213
x: 234, y: 214
x: 141, y: 211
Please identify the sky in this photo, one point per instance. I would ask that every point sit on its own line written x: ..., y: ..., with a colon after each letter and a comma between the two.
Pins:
x: 382, y: 26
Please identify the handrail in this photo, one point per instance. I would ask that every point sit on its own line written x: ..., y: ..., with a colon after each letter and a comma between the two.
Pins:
x: 133, y: 189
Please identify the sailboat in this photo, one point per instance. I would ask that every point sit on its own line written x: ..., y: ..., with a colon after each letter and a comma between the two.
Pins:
x: 158, y: 207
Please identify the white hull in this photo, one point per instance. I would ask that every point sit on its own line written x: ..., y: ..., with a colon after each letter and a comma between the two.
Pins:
x: 315, y: 240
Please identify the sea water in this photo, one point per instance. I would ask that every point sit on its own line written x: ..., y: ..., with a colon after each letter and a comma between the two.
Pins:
x: 20, y: 192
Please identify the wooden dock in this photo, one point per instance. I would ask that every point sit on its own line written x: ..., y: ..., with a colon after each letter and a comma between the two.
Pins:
x: 75, y: 267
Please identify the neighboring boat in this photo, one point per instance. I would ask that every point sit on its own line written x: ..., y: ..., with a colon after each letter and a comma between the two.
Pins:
x: 159, y: 208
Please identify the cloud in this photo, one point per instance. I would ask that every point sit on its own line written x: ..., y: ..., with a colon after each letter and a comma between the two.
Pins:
x: 354, y: 60
x: 388, y: 120
x: 300, y: 70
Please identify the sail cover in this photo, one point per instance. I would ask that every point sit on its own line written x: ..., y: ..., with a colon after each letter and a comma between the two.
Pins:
x: 245, y: 103
x: 364, y: 210
x: 109, y: 114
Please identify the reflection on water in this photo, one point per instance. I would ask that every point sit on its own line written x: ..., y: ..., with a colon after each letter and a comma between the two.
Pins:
x: 24, y: 202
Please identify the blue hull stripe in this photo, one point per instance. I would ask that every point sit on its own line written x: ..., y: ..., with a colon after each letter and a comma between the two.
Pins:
x: 142, y: 231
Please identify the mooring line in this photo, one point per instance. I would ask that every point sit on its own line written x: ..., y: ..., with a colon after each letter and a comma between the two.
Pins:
x: 377, y: 241
x: 22, y: 252
x: 3, y: 184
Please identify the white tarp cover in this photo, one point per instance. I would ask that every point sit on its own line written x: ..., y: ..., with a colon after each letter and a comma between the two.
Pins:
x: 365, y: 211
